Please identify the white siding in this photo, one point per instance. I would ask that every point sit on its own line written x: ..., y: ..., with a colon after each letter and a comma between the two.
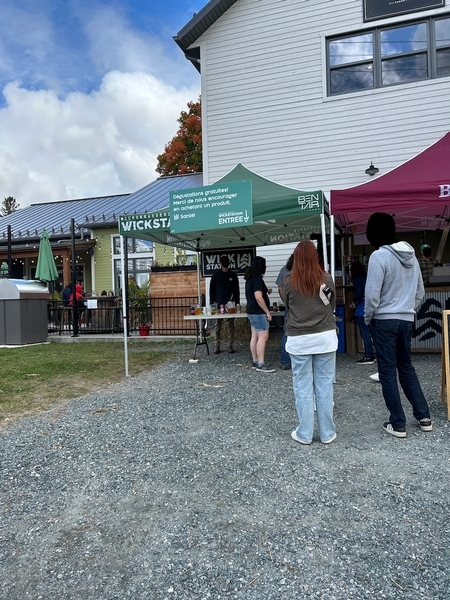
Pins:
x: 276, y: 257
x: 265, y: 104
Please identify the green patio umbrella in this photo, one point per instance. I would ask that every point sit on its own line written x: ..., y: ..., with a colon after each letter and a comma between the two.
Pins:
x: 46, y: 269
x: 4, y: 270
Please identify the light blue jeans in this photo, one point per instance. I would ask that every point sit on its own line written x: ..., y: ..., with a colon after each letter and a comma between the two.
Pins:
x: 313, y: 376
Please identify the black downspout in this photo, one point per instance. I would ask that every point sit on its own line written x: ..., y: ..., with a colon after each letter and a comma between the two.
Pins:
x: 9, y: 253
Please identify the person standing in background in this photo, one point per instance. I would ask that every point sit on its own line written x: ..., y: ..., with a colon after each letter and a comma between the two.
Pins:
x: 67, y: 294
x: 258, y: 312
x: 426, y: 263
x: 224, y: 288
x: 394, y: 291
x: 285, y: 359
x: 358, y: 277
x: 312, y: 343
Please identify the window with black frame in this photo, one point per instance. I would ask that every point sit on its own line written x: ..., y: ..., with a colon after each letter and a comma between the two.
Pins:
x: 387, y: 56
x: 140, y: 258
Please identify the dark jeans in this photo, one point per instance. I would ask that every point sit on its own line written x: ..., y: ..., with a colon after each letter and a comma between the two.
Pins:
x: 392, y: 340
x: 285, y: 359
x: 364, y: 330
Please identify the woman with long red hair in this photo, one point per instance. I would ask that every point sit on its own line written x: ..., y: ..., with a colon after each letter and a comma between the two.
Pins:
x: 312, y: 343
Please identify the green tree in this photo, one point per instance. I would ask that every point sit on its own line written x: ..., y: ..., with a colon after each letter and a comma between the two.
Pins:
x: 9, y: 205
x: 183, y: 154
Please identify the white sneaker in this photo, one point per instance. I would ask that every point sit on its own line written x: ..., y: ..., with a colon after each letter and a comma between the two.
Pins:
x: 295, y: 437
x: 375, y: 377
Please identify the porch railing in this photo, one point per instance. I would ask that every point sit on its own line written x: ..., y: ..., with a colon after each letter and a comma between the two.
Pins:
x: 162, y: 316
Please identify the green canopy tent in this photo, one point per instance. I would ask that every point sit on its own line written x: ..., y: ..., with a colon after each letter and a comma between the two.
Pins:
x: 280, y: 215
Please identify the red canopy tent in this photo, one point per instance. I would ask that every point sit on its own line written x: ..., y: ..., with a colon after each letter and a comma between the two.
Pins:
x: 416, y: 193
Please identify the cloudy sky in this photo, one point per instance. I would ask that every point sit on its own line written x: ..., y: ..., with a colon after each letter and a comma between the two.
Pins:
x: 90, y: 93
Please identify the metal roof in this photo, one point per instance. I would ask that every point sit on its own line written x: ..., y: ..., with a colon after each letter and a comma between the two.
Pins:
x: 90, y: 213
x: 197, y: 26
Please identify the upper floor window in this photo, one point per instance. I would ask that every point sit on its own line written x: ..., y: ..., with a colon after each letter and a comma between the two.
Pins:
x: 442, y: 34
x: 389, y: 55
x: 134, y: 245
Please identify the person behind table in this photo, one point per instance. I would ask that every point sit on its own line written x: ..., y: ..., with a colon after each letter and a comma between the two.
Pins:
x: 312, y: 343
x: 285, y: 359
x: 394, y: 291
x: 426, y: 263
x: 224, y: 288
x: 358, y: 277
x: 258, y: 312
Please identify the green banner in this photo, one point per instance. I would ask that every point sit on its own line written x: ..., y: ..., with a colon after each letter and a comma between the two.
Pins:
x: 216, y: 206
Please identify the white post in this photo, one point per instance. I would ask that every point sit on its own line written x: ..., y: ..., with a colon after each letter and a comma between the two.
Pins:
x: 324, y: 242
x: 332, y: 250
x: 124, y: 306
x: 199, y: 289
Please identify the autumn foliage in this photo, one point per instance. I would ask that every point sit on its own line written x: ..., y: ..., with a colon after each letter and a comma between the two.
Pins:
x: 183, y: 154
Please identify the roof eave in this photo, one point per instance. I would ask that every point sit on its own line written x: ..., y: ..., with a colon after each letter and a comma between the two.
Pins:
x: 200, y: 23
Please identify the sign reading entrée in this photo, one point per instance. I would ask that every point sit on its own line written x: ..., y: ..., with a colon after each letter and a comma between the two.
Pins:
x: 211, y: 207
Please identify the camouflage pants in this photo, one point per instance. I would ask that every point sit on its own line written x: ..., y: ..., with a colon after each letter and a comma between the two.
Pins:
x: 218, y: 331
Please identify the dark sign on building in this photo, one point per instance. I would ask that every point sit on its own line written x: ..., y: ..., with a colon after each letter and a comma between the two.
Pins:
x: 240, y: 259
x: 380, y: 9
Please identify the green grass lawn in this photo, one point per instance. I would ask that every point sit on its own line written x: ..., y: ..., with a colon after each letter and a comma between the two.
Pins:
x: 34, y: 378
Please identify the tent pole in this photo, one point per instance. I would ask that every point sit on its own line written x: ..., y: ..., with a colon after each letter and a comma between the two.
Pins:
x: 124, y: 306
x: 324, y: 242
x: 332, y: 249
x: 441, y: 245
x: 199, y: 290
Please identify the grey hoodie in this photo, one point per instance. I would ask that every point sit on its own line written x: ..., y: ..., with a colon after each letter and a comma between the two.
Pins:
x: 394, y: 287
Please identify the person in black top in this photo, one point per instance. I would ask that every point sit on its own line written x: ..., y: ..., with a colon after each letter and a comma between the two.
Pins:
x: 224, y: 287
x: 258, y: 312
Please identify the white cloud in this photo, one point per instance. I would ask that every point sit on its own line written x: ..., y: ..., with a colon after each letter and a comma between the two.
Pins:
x: 83, y: 145
x: 92, y: 92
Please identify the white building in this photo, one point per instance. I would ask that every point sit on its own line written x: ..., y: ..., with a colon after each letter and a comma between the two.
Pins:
x: 309, y: 93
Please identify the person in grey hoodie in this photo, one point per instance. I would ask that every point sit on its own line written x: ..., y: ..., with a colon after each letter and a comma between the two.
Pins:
x: 394, y: 290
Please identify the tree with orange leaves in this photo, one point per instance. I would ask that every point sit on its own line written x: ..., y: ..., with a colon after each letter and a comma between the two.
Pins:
x: 183, y: 154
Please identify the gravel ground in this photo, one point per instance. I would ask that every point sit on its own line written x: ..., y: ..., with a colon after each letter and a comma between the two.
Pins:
x: 183, y: 483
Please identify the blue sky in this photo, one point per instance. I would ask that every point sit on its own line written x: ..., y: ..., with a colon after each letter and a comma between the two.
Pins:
x: 90, y: 93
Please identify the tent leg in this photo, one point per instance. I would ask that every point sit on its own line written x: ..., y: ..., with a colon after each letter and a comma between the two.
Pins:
x: 332, y: 248
x: 199, y: 290
x: 124, y: 306
x: 324, y: 242
x: 442, y: 243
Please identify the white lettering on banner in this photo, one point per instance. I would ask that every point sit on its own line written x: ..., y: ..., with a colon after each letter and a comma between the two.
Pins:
x: 445, y: 191
x: 217, y: 191
x: 309, y: 201
x: 186, y: 195
x: 225, y: 221
x: 145, y: 224
x: 244, y: 261
x: 239, y: 261
x: 285, y: 237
